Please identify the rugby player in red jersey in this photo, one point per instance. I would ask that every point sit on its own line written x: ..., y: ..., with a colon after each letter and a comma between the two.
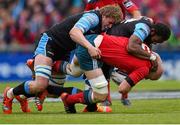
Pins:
x: 126, y: 6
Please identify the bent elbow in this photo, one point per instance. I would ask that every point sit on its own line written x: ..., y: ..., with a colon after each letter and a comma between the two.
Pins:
x: 71, y: 33
x: 130, y: 49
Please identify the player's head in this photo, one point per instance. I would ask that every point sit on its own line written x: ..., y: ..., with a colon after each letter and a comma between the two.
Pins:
x: 160, y: 69
x: 111, y: 14
x: 159, y: 33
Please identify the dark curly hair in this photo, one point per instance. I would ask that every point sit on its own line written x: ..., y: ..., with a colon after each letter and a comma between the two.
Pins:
x: 162, y: 30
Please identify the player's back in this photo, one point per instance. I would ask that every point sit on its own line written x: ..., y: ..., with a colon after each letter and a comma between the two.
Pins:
x: 114, y: 52
x: 126, y: 27
x: 60, y: 31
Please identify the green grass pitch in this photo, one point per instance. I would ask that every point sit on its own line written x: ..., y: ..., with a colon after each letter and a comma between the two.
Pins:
x: 150, y: 111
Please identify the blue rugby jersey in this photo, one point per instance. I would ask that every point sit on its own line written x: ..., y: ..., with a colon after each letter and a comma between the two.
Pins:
x: 139, y: 27
x: 60, y: 32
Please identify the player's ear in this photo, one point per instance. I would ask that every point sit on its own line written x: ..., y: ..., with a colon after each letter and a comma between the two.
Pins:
x: 153, y: 32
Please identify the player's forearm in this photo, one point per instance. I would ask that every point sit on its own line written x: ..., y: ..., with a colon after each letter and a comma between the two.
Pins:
x: 78, y: 37
x: 137, y: 51
x: 143, y: 54
x: 135, y: 48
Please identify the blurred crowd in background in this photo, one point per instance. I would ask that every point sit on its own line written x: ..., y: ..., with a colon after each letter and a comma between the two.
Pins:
x: 22, y: 21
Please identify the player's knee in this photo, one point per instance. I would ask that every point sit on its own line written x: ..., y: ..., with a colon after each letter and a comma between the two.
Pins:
x: 40, y: 86
x: 75, y: 70
x: 100, y: 89
x: 43, y: 74
x: 40, y: 89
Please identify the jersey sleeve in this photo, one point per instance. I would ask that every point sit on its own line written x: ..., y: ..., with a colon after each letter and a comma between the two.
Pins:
x: 139, y: 74
x: 129, y: 6
x: 87, y: 22
x: 142, y: 31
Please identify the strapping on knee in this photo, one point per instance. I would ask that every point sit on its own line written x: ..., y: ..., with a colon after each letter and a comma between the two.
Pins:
x: 99, y: 84
x: 43, y: 71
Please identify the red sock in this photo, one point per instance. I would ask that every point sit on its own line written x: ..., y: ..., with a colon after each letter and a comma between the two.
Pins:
x: 76, y: 98
x: 124, y: 96
x: 56, y: 66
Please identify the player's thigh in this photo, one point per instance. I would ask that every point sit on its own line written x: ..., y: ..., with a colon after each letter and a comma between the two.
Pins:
x: 42, y: 70
x: 42, y: 60
x: 74, y: 68
x: 75, y: 60
x: 85, y: 61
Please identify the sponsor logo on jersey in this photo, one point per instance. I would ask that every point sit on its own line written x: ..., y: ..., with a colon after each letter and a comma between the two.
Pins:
x: 50, y: 53
x: 128, y: 3
x: 92, y: 1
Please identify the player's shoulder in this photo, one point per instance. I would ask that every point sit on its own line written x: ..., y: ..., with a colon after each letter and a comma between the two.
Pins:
x: 142, y: 20
x: 91, y: 13
x: 92, y: 1
x: 146, y: 20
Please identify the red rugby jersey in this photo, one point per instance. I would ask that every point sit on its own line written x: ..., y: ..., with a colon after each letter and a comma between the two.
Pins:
x: 126, y: 5
x: 114, y: 52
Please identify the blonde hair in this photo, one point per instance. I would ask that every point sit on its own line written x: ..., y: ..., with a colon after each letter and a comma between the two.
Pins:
x: 112, y: 11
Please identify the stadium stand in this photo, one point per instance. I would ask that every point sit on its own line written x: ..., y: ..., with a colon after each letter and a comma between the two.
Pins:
x: 21, y: 21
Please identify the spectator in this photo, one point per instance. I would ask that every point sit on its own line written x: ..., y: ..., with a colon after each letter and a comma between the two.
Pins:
x: 22, y: 20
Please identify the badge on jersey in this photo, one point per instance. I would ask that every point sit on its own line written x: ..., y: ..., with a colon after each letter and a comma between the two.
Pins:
x: 91, y: 1
x: 127, y: 3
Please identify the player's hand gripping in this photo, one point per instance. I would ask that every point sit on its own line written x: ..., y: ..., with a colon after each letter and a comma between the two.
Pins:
x: 154, y: 66
x: 94, y: 52
x: 154, y: 62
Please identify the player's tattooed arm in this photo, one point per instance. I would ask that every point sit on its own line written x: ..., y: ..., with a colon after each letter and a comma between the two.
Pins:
x: 135, y: 48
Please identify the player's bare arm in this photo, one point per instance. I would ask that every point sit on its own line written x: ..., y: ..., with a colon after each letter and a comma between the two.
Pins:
x: 135, y: 48
x: 77, y: 35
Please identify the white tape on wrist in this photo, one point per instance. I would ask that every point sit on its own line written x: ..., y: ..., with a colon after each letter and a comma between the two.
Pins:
x: 152, y: 57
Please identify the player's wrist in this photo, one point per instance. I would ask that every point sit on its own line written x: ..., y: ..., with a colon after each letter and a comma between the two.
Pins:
x: 152, y: 57
x: 88, y: 46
